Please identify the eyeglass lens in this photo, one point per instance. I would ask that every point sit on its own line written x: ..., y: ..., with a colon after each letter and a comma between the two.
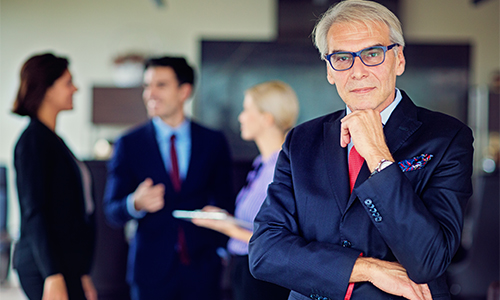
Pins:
x: 370, y: 57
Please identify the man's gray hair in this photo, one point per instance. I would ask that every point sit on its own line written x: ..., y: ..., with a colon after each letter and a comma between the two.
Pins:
x: 360, y: 12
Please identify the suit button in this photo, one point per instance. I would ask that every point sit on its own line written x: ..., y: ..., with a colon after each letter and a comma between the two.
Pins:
x: 373, y: 210
x: 346, y: 244
x: 378, y: 219
x: 368, y: 202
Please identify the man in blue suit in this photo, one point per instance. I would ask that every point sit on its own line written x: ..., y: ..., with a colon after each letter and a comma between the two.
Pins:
x: 367, y: 202
x: 169, y: 163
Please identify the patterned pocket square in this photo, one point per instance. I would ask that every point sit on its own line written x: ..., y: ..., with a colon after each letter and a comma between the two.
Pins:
x: 418, y: 162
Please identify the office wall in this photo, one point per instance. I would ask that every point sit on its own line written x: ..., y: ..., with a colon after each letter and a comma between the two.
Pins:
x: 92, y: 32
x: 455, y: 21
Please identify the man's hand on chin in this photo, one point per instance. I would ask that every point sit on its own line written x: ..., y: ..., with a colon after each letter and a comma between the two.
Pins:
x: 364, y: 128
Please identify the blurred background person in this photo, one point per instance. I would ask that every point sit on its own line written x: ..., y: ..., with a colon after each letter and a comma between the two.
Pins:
x: 54, y: 253
x: 270, y: 109
x: 167, y: 163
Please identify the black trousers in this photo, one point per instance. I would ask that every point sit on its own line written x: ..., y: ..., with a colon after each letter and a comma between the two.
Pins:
x: 246, y: 287
x: 192, y: 282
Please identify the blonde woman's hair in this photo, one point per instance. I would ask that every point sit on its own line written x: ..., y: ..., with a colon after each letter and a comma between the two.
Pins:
x: 278, y: 99
x: 356, y: 12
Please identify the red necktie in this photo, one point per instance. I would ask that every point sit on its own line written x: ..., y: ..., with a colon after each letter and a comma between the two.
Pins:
x: 355, y: 163
x: 174, y: 173
x: 176, y: 182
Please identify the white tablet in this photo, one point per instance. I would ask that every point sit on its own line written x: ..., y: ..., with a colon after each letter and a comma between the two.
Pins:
x: 198, y: 214
x: 214, y: 215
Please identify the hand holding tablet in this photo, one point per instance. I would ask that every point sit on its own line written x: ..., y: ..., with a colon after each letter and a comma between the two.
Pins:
x: 219, y: 215
x: 199, y: 214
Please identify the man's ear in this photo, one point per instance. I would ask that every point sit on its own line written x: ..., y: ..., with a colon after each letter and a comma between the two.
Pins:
x: 186, y: 90
x: 401, y: 62
x: 329, y: 73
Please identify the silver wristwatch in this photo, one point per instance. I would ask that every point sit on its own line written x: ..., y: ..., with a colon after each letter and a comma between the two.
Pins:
x: 384, y: 163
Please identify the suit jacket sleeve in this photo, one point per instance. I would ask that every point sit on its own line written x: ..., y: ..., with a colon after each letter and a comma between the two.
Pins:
x: 31, y: 167
x: 295, y: 263
x: 422, y: 220
x: 118, y: 186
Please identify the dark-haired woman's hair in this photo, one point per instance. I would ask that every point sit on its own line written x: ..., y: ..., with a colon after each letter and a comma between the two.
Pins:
x: 37, y: 74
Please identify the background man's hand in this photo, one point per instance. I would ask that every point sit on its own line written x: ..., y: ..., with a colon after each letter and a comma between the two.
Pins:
x: 365, y: 129
x: 149, y: 197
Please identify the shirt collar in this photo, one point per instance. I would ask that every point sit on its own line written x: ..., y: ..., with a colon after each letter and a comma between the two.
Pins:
x: 386, y: 113
x: 163, y: 130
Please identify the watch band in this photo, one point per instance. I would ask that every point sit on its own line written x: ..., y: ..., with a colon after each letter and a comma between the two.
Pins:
x: 384, y: 163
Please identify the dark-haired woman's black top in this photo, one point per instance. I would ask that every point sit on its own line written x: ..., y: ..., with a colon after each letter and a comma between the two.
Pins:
x: 57, y: 231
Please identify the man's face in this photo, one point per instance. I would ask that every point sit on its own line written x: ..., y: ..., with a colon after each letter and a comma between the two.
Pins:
x: 163, y: 96
x: 363, y: 87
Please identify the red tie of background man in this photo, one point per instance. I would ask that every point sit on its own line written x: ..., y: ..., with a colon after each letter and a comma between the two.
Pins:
x: 355, y: 163
x: 174, y: 173
x: 176, y: 182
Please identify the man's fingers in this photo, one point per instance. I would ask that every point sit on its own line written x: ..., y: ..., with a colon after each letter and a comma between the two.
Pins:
x: 159, y: 187
x: 147, y: 188
x: 154, y: 204
x: 426, y: 291
x: 392, y: 278
x: 157, y: 206
x: 146, y: 183
x: 149, y: 197
x: 419, y: 292
x: 345, y: 136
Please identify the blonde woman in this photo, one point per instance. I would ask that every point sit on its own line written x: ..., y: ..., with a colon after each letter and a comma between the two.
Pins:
x: 270, y: 109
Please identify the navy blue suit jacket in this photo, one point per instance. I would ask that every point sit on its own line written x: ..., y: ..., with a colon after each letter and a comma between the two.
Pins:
x: 310, y: 230
x: 137, y: 157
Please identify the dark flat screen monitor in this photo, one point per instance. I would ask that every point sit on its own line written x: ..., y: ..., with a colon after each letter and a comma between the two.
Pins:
x: 436, y: 77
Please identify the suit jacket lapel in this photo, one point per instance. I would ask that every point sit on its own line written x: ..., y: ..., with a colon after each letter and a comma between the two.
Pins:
x: 336, y: 161
x: 155, y: 155
x: 402, y: 124
x: 195, y: 158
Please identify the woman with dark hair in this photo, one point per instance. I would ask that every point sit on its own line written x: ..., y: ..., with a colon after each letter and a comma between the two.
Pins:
x: 54, y: 252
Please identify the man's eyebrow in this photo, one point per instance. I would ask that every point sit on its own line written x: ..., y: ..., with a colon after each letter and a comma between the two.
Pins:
x: 335, y: 51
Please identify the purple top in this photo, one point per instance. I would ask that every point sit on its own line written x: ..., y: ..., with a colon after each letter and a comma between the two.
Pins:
x: 251, y: 197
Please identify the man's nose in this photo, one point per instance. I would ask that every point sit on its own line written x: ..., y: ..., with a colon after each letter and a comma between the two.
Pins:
x: 150, y: 92
x: 359, y: 69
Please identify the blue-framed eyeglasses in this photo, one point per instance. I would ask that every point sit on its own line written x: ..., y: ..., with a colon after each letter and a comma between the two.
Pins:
x: 371, y: 57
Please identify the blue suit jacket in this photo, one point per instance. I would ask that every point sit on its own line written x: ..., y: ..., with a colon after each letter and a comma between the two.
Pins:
x: 310, y: 230
x: 208, y: 181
